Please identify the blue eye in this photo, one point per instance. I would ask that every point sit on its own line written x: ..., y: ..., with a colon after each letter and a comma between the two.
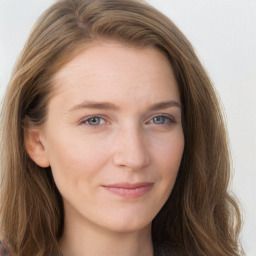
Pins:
x: 162, y: 119
x: 94, y: 121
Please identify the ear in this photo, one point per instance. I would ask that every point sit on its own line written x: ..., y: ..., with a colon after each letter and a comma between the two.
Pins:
x: 35, y: 148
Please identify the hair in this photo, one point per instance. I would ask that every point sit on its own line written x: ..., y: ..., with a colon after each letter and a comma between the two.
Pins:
x: 200, y: 217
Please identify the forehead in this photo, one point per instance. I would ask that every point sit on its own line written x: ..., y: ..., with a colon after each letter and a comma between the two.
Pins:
x: 104, y: 54
x: 110, y: 70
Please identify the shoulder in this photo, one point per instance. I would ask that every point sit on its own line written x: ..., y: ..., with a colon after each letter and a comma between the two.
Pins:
x: 3, y: 251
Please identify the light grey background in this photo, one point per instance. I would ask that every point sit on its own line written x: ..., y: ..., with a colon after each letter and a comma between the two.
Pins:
x: 223, y: 33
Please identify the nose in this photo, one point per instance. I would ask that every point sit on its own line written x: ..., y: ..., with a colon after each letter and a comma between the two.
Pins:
x: 131, y: 150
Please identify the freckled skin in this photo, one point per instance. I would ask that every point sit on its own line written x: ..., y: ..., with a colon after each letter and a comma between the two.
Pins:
x: 131, y: 143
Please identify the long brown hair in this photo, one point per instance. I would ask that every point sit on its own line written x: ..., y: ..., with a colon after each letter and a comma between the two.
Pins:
x: 200, y: 216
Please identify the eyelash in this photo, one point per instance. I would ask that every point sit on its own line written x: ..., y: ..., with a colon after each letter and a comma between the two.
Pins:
x: 167, y: 120
x: 85, y: 121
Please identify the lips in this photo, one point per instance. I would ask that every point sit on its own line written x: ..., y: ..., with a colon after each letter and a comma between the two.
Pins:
x: 129, y: 190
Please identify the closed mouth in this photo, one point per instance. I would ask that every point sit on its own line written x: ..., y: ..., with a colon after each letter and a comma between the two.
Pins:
x: 129, y: 190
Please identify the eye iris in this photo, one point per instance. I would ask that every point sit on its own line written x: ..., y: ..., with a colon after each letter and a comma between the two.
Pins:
x: 94, y: 121
x: 159, y: 120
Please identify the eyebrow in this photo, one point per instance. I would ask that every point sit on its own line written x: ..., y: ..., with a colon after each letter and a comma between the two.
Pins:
x: 165, y: 105
x: 111, y: 106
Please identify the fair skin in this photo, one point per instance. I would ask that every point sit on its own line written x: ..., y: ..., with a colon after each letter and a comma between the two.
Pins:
x: 114, y: 141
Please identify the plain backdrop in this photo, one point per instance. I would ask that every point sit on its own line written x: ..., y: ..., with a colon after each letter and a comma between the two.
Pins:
x: 223, y: 33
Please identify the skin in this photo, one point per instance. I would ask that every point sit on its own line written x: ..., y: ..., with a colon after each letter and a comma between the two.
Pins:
x: 105, y: 126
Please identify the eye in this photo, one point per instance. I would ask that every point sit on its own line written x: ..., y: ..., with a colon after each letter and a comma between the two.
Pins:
x: 159, y: 119
x: 162, y: 119
x: 94, y: 121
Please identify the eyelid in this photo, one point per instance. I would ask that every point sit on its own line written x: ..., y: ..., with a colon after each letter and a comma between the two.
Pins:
x: 85, y: 119
x: 170, y: 117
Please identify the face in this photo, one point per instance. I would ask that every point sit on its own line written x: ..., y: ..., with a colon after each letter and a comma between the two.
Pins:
x: 113, y: 135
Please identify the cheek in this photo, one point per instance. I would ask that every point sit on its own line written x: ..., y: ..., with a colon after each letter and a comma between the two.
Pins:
x: 75, y: 160
x: 169, y: 155
x: 169, y: 152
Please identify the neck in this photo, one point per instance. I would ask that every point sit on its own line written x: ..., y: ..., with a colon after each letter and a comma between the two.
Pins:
x: 88, y: 239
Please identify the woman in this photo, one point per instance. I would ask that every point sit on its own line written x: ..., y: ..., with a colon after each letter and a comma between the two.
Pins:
x: 113, y: 142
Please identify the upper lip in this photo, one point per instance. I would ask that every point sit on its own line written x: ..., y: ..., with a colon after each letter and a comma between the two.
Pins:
x: 129, y: 185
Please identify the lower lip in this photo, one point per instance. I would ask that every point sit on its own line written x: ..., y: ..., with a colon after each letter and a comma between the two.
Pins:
x: 130, y: 192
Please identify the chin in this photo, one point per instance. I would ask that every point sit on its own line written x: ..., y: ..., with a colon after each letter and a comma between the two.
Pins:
x: 128, y: 224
